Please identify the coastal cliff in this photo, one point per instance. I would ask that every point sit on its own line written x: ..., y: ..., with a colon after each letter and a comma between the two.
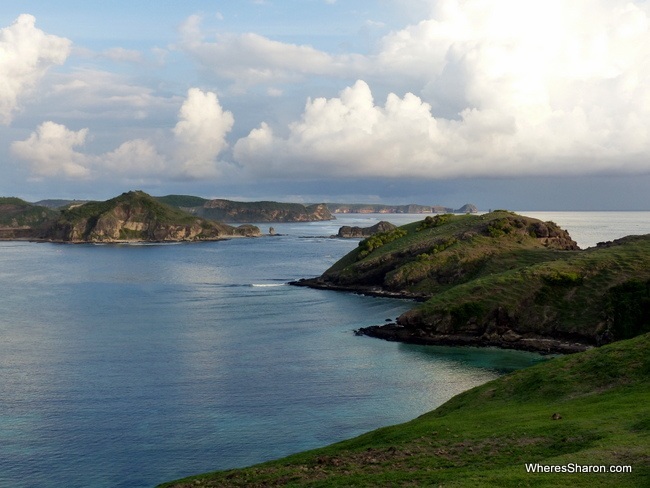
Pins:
x: 500, y: 279
x: 136, y: 216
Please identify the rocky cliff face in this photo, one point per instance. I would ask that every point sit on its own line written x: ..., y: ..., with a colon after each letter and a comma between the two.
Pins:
x: 135, y: 216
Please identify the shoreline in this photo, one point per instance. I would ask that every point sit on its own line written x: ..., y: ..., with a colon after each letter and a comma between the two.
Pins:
x: 393, y: 332
x: 124, y: 241
x: 544, y: 345
x: 371, y: 291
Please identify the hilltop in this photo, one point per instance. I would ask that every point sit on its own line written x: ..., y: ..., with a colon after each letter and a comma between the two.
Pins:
x: 500, y: 279
x: 581, y: 410
x: 137, y: 216
x: 264, y: 211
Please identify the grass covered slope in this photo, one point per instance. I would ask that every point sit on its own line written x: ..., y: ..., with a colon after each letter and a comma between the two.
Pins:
x: 592, y: 297
x: 487, y: 435
x: 136, y: 216
x: 501, y: 279
x: 427, y: 257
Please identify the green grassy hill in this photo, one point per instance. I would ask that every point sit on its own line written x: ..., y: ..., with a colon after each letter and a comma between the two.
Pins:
x: 501, y: 279
x: 427, y: 257
x: 580, y: 410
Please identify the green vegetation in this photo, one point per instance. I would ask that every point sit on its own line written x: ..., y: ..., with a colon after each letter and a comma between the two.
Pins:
x: 443, y: 251
x: 15, y: 212
x: 230, y: 211
x: 436, y: 221
x: 590, y: 296
x: 380, y: 239
x: 503, y: 279
x: 148, y: 207
x: 185, y: 201
x: 136, y: 216
x: 586, y: 409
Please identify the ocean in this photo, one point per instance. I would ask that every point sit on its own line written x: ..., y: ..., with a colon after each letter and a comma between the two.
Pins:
x: 131, y: 365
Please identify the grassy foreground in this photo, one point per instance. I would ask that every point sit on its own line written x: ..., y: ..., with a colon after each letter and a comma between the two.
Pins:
x: 487, y: 435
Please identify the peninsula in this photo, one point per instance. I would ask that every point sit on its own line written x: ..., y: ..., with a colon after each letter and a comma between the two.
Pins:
x: 500, y: 279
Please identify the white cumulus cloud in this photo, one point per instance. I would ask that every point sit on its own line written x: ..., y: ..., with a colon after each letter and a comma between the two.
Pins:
x: 26, y: 53
x: 137, y: 157
x: 50, y: 151
x: 189, y: 150
x: 200, y: 133
x: 515, y: 87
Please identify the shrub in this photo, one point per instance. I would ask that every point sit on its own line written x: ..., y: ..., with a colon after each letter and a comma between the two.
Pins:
x: 436, y: 221
x: 563, y: 278
x: 499, y: 227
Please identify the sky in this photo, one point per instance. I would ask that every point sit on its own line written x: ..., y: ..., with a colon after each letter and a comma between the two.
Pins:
x: 517, y: 104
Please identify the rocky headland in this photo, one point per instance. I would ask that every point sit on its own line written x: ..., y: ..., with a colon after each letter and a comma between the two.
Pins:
x: 131, y: 217
x: 500, y: 279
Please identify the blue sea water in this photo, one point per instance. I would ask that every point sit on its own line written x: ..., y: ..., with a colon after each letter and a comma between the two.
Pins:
x: 130, y: 365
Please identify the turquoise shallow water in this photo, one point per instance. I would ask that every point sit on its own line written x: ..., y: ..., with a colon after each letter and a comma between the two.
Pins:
x: 130, y: 365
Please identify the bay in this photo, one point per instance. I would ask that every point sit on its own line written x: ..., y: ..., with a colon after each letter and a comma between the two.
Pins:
x: 130, y: 365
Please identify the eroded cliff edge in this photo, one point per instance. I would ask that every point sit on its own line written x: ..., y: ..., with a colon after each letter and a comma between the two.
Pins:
x: 500, y: 279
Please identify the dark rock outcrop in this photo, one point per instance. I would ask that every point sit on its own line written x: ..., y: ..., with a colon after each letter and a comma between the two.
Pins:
x: 348, y: 231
